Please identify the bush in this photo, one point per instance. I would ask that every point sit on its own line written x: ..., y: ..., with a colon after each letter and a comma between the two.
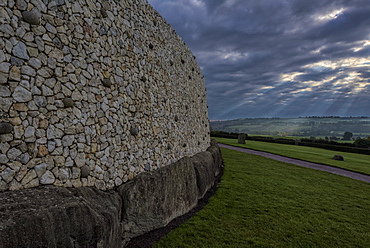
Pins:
x: 340, y: 148
x: 359, y: 146
x: 222, y: 134
x: 363, y: 143
x: 272, y: 140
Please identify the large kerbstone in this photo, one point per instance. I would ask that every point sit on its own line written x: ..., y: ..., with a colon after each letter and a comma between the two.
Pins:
x: 215, y: 150
x: 207, y: 166
x: 152, y: 200
x: 58, y: 217
x: 203, y: 165
x: 205, y: 172
x: 50, y: 216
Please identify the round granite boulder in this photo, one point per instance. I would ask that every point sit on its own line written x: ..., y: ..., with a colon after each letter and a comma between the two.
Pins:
x: 5, y: 128
x: 32, y: 17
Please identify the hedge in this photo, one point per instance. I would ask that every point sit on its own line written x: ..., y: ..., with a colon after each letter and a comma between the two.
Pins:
x: 319, y: 143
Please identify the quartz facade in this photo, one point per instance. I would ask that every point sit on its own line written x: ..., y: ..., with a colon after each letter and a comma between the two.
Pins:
x: 93, y: 93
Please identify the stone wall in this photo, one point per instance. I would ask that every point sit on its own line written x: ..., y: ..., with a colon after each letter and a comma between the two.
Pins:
x: 53, y: 216
x: 94, y: 92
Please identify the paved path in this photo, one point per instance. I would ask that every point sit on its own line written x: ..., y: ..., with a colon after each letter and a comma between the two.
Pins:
x: 334, y: 170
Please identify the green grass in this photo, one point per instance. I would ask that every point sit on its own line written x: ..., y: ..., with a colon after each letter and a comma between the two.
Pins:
x: 266, y: 203
x: 352, y: 161
x: 296, y: 126
x: 299, y: 137
x: 279, y: 137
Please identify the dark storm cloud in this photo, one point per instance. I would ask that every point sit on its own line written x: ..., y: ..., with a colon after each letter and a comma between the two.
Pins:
x: 348, y: 26
x: 278, y: 57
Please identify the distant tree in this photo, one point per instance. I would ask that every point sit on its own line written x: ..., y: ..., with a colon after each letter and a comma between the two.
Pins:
x: 347, y: 135
x: 363, y: 143
x: 312, y: 137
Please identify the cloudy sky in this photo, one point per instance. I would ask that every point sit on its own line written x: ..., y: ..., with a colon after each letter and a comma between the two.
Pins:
x: 278, y: 58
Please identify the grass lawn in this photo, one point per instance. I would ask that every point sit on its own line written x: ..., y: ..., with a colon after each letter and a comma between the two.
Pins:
x: 265, y: 203
x: 299, y: 137
x: 352, y: 161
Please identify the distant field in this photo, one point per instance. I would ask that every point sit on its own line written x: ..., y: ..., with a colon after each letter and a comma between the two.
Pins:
x: 265, y: 203
x: 299, y: 137
x: 354, y: 162
x: 302, y: 127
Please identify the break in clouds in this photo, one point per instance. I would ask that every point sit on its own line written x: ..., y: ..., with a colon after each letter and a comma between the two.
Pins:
x: 278, y: 58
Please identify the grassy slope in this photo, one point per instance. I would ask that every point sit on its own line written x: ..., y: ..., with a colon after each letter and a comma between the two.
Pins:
x: 352, y: 161
x: 266, y: 203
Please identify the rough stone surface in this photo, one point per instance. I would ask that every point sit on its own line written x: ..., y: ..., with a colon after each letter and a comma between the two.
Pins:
x: 85, y: 171
x: 7, y: 174
x: 3, y: 159
x: 32, y: 17
x: 338, y: 157
x: 107, y: 82
x: 5, y: 128
x: 205, y: 172
x: 4, y: 91
x: 22, y: 95
x: 21, y: 4
x: 13, y: 153
x: 241, y: 138
x: 52, y: 216
x: 169, y: 192
x: 134, y: 131
x: 68, y: 102
x: 88, y: 83
x: 47, y: 178
x: 215, y: 150
x: 20, y: 51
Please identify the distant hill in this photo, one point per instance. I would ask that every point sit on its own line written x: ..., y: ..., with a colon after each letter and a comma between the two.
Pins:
x: 303, y: 126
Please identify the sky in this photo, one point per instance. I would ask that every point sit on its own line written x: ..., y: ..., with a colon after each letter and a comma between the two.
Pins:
x: 278, y: 58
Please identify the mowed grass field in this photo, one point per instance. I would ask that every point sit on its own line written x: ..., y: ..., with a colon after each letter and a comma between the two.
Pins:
x: 299, y: 138
x: 352, y: 161
x: 265, y: 203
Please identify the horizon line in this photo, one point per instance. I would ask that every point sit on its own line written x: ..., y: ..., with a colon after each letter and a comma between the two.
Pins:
x: 313, y: 116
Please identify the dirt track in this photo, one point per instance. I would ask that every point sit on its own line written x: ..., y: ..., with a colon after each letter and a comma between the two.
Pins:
x: 331, y: 169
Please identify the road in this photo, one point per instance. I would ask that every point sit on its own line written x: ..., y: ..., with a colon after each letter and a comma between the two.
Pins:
x: 327, y: 168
